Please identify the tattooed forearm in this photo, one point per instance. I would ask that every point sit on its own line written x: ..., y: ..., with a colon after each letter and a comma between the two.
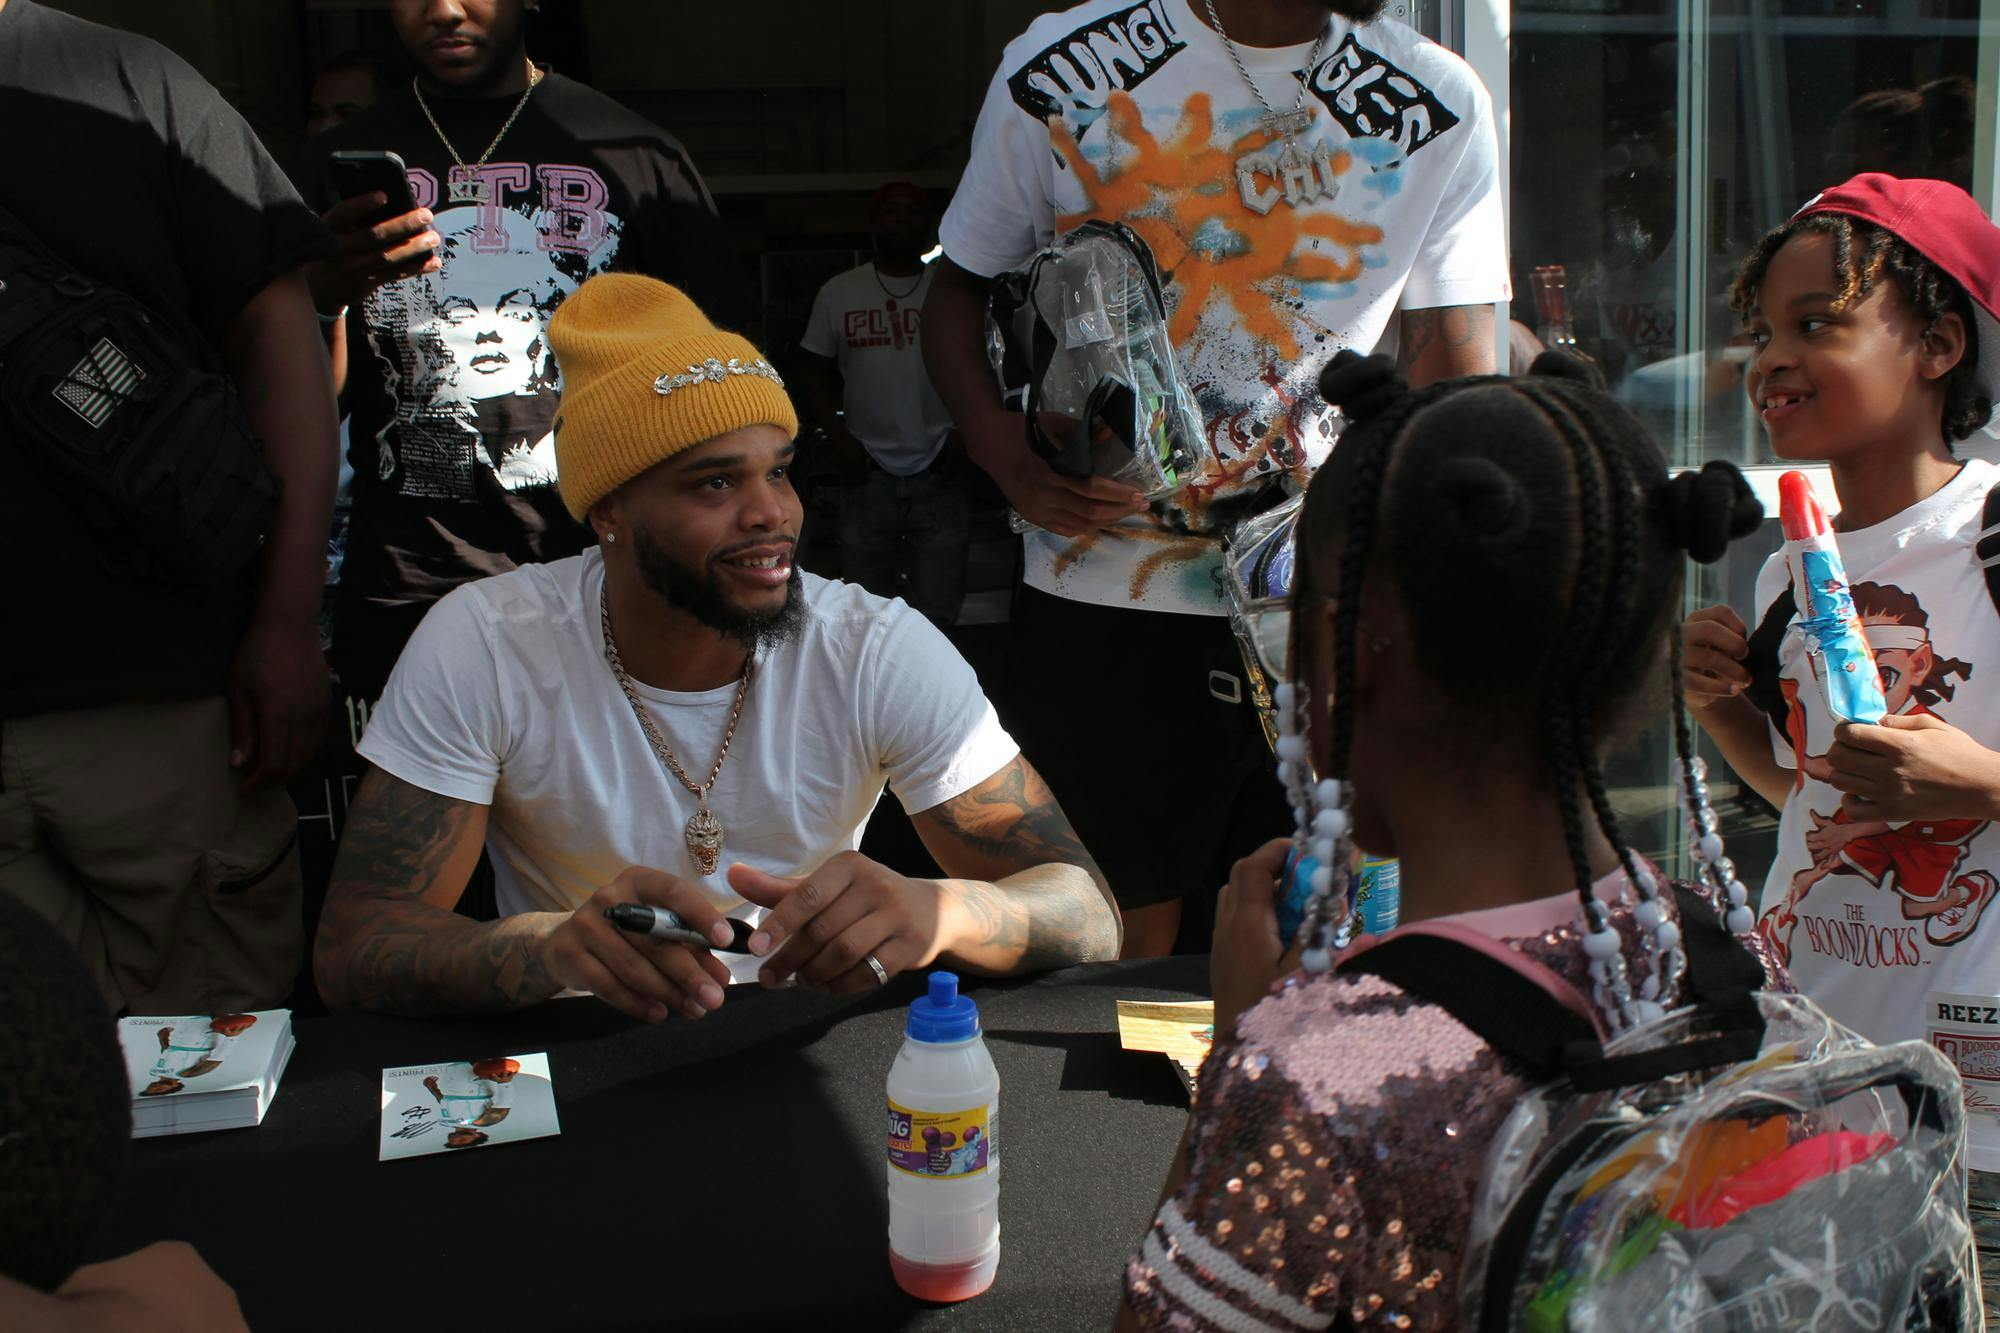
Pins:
x: 1446, y: 342
x: 1052, y: 906
x: 388, y: 939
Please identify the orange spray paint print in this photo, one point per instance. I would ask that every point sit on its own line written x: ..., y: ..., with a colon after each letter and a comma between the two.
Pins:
x: 1169, y: 193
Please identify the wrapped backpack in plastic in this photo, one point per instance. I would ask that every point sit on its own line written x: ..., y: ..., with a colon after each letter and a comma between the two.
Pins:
x: 1079, y: 339
x: 1259, y: 564
x: 1744, y: 1163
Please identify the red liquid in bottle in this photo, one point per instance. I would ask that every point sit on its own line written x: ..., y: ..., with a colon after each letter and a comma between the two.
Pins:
x: 944, y: 1282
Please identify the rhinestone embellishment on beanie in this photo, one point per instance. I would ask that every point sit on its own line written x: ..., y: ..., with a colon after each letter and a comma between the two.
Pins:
x: 715, y: 371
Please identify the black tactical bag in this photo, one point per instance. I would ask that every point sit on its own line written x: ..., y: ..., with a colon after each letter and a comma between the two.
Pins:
x: 130, y: 417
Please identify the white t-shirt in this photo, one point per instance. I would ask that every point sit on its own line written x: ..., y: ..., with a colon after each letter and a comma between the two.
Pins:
x: 464, y: 1097
x: 1134, y: 112
x: 875, y: 336
x: 1903, y: 917
x: 503, y: 698
x: 189, y: 1047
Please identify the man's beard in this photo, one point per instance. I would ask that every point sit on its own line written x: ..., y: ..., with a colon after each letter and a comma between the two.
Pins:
x: 1358, y: 11
x: 689, y: 589
x: 899, y: 247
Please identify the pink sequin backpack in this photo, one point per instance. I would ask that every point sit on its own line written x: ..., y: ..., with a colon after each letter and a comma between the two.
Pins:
x: 1744, y: 1163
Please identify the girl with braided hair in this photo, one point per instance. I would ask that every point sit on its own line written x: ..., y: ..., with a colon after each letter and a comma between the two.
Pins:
x: 1875, y: 318
x: 1489, y: 576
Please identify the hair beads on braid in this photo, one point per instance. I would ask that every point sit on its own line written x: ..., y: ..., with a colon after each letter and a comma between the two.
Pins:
x: 1598, y: 617
x: 1551, y: 487
x: 1662, y: 935
x: 1369, y: 391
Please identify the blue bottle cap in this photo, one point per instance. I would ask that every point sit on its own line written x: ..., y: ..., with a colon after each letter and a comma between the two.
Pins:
x: 943, y: 1015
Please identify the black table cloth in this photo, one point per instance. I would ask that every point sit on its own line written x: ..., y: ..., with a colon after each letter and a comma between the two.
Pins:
x: 727, y: 1173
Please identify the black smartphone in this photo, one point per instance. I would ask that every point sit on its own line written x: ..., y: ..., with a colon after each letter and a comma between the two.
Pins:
x: 358, y: 171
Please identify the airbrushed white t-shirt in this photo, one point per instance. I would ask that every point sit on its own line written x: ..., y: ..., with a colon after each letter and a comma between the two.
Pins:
x: 1892, y: 927
x: 872, y: 326
x: 503, y: 698
x: 1134, y: 112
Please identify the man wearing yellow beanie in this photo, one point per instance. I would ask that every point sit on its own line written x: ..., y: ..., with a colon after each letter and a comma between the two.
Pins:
x: 683, y: 719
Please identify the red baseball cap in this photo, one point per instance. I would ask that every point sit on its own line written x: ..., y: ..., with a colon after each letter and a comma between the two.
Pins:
x: 1942, y: 223
x: 895, y: 189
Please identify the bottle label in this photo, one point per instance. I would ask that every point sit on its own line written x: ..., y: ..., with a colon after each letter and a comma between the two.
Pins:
x: 938, y: 1145
x: 1380, y: 900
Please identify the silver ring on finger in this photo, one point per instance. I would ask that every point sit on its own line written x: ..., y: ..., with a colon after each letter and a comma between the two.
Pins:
x: 875, y: 966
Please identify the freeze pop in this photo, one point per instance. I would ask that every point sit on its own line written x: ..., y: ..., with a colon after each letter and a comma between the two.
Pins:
x: 1842, y: 663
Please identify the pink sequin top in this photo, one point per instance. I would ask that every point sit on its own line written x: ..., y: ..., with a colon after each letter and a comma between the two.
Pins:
x: 1336, y: 1146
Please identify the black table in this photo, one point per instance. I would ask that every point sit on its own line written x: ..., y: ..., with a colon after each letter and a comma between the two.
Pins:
x: 727, y: 1173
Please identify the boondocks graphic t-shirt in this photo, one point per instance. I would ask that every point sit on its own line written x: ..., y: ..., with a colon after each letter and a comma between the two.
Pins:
x: 452, y: 384
x: 1274, y: 258
x: 1890, y: 924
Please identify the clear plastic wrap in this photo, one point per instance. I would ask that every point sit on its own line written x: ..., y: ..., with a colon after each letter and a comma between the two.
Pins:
x: 1260, y: 560
x: 1820, y: 1187
x: 1080, y: 335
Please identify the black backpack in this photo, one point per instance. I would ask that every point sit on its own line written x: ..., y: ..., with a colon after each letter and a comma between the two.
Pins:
x: 130, y: 417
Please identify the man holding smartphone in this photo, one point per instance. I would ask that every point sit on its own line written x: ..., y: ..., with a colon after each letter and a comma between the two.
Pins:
x: 522, y: 183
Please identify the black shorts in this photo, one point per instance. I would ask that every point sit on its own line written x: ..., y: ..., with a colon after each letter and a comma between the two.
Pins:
x: 1143, y: 726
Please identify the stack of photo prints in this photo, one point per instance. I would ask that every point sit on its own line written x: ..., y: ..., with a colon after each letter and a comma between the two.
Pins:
x: 199, y: 1072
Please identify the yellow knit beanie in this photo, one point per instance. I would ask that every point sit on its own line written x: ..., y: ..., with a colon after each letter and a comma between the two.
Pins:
x: 644, y: 376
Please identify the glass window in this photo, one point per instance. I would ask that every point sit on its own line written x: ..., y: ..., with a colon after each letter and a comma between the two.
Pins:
x: 1652, y: 142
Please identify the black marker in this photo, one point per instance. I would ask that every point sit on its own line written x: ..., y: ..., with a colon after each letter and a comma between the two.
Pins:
x: 660, y: 924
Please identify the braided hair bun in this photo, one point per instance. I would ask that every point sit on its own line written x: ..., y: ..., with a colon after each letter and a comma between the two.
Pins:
x: 1534, y: 546
x: 1707, y: 510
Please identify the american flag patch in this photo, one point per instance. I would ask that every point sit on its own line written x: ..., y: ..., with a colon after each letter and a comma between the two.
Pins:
x: 96, y: 385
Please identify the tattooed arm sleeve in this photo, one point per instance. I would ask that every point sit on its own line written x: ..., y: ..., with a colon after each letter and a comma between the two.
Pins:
x: 389, y: 940
x: 1034, y: 896
x: 1446, y: 342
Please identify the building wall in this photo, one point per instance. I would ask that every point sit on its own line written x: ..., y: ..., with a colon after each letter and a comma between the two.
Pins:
x: 863, y: 89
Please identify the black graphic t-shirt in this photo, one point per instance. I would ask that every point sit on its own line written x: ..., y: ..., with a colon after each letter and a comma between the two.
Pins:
x: 451, y: 382
x: 129, y: 166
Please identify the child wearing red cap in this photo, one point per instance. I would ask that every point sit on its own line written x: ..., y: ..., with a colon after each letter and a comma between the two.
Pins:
x: 1875, y: 318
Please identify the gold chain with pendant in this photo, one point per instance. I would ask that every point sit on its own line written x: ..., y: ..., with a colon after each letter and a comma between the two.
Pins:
x: 474, y: 191
x: 704, y: 830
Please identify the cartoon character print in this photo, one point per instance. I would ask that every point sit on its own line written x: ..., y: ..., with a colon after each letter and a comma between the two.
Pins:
x: 1918, y: 860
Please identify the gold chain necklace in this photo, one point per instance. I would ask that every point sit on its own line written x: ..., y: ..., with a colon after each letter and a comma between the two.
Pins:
x: 704, y: 830
x: 465, y: 187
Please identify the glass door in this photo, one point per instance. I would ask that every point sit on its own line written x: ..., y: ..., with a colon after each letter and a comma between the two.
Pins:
x: 1650, y: 143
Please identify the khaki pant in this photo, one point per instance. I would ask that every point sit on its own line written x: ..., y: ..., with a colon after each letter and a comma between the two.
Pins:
x: 123, y: 826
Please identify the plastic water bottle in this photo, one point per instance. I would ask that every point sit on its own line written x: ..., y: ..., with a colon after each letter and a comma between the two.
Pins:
x: 944, y: 1165
x: 1381, y: 896
x: 1378, y: 888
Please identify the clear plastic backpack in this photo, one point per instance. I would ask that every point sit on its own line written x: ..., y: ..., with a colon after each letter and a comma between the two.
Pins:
x: 1079, y: 337
x: 1260, y: 559
x: 1744, y: 1163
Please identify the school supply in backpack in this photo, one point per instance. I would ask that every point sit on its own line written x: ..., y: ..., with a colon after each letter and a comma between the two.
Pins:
x: 1742, y: 1163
